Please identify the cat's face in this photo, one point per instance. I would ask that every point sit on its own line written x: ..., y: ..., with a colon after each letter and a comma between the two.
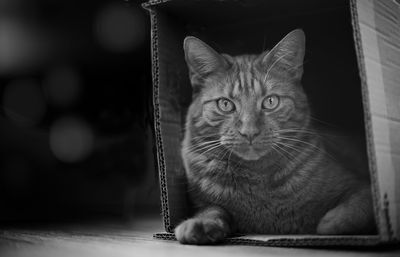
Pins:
x: 246, y: 101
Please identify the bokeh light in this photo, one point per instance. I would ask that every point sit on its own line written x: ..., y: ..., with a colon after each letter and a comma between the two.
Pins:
x: 62, y: 86
x: 20, y: 45
x: 71, y: 139
x: 119, y: 28
x: 23, y: 102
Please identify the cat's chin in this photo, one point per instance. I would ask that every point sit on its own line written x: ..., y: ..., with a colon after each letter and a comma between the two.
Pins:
x: 249, y: 155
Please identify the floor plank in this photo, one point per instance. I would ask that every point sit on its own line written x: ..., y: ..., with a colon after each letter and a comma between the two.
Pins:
x: 134, y: 239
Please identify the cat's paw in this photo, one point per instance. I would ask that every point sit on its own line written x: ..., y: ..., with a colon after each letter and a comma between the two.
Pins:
x: 200, y: 231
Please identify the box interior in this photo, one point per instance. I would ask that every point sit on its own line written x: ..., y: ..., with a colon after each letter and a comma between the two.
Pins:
x: 331, y: 78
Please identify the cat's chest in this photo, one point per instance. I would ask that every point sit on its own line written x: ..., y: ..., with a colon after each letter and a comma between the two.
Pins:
x: 257, y: 208
x: 256, y: 211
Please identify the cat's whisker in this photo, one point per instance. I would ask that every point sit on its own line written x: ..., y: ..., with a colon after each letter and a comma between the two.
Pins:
x: 275, y: 147
x: 312, y: 145
x: 203, y: 140
x: 212, y: 148
x: 287, y: 152
x: 204, y: 143
x: 299, y: 141
x: 324, y: 136
x: 297, y: 150
x: 209, y: 141
x: 323, y: 122
x: 195, y: 149
x: 300, y: 150
x: 206, y: 147
x: 200, y: 145
x: 294, y: 130
x: 292, y: 146
x: 299, y: 133
x: 205, y: 136
x: 226, y: 151
x: 201, y: 150
x: 217, y: 155
x: 297, y: 130
x: 300, y: 128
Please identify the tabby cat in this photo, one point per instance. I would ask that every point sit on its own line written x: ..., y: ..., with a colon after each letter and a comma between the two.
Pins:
x: 253, y: 161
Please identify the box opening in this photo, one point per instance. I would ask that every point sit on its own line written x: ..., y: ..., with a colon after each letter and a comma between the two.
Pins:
x: 331, y: 77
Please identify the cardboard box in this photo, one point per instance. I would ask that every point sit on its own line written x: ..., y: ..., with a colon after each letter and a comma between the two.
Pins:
x: 353, y: 49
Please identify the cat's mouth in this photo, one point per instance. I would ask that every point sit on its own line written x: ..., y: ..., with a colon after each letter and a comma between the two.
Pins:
x: 250, y: 152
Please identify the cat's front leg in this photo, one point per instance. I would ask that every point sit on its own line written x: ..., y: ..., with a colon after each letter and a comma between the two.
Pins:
x: 209, y: 226
x: 353, y: 216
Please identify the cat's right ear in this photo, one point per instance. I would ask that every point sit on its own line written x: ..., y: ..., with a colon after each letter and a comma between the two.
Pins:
x: 201, y: 59
x: 287, y: 56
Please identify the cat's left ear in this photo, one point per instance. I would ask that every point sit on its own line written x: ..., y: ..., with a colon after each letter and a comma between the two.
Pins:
x: 287, y: 56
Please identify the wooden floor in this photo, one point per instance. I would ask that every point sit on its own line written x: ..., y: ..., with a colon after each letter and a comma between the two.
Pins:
x: 134, y: 239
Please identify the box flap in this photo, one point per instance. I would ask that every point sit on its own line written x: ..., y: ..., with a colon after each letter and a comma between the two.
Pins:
x: 377, y: 32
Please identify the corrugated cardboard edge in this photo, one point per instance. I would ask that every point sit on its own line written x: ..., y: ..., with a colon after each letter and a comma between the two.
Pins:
x: 150, y: 3
x: 157, y: 125
x: 295, y: 241
x: 367, y: 114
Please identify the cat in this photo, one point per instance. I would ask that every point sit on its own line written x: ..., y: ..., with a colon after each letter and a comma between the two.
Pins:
x: 253, y: 161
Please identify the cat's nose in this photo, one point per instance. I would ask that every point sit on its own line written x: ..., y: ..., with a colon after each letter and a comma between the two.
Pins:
x: 249, y: 134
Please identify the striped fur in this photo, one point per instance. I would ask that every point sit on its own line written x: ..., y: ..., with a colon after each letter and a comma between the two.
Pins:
x: 258, y: 170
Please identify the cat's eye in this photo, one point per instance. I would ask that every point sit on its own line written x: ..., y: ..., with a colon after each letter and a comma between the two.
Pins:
x: 225, y: 105
x: 270, y: 102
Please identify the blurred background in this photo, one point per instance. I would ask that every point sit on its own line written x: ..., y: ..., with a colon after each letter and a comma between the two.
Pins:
x: 75, y: 94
